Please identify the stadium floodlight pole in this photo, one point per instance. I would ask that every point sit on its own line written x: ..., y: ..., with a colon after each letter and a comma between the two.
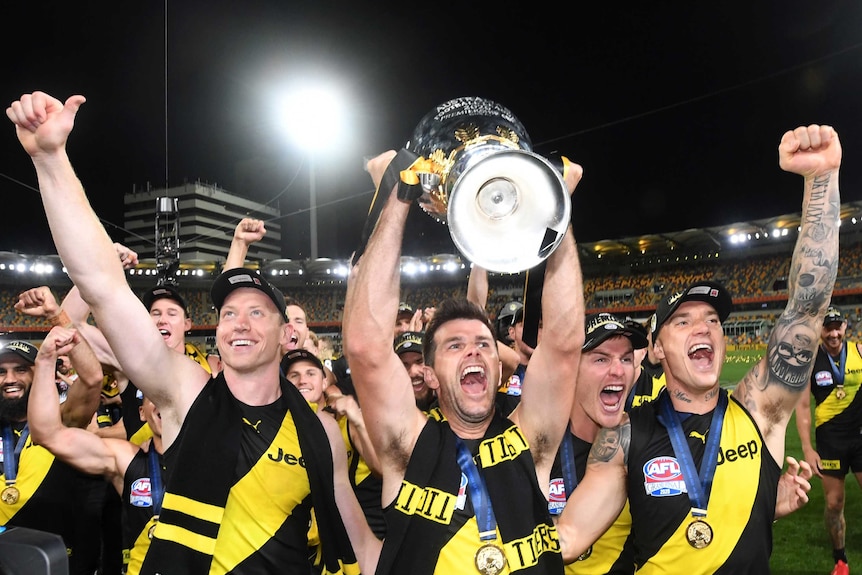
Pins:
x: 313, y: 116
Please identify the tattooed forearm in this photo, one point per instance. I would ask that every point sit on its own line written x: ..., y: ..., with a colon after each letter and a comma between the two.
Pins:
x: 609, y: 441
x: 791, y: 355
x: 793, y: 341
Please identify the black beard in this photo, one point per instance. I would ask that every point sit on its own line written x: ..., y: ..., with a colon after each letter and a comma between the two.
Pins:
x: 12, y: 410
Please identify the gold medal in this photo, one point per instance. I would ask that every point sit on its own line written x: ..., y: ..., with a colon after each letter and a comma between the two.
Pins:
x: 840, y: 393
x: 699, y: 534
x: 490, y: 559
x: 586, y: 554
x: 10, y: 495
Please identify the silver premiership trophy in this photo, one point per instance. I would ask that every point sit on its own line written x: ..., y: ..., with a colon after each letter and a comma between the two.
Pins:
x: 507, y: 208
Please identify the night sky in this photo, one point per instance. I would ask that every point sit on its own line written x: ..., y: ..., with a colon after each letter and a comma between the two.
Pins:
x: 674, y: 109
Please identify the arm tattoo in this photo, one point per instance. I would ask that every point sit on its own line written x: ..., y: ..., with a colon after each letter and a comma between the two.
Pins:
x: 793, y: 341
x: 609, y: 441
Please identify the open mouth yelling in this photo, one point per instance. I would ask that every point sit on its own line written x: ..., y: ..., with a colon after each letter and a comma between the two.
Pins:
x: 293, y: 342
x: 612, y: 396
x: 702, y: 354
x: 473, y: 380
x: 166, y: 334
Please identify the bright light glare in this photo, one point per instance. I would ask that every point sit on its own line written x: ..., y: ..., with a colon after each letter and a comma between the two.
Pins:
x: 313, y: 117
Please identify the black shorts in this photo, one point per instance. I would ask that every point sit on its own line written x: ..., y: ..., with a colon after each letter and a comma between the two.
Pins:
x: 840, y: 453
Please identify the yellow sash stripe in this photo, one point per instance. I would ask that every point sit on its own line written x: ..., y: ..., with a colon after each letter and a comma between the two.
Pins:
x: 186, y: 538
x: 202, y: 511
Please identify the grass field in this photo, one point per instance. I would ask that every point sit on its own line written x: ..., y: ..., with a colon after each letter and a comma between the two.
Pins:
x: 800, y: 543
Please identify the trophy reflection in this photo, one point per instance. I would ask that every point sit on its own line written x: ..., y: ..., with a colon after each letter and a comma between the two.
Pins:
x: 507, y: 208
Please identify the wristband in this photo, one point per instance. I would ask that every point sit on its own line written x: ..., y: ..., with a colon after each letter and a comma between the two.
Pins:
x: 62, y: 319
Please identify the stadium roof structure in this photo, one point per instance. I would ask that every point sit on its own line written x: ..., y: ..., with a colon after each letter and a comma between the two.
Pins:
x: 763, y: 236
x: 767, y: 236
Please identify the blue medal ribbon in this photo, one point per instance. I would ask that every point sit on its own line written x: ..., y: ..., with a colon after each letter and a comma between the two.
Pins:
x: 12, y: 452
x: 479, y: 496
x: 839, y: 366
x: 699, y: 484
x: 570, y: 474
x: 157, y: 488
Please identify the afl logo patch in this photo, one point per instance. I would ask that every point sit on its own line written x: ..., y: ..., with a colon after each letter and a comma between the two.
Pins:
x: 141, y: 493
x: 663, y: 477
x: 556, y: 496
x: 514, y: 387
x: 823, y: 378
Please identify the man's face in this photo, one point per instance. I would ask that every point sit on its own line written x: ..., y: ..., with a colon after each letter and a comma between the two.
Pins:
x: 467, y: 370
x: 172, y: 322
x: 150, y: 415
x: 297, y: 318
x: 64, y: 364
x: 832, y: 336
x: 414, y: 363
x: 308, y: 379
x: 605, y: 377
x: 16, y: 376
x: 402, y: 323
x: 251, y: 331
x: 691, y: 342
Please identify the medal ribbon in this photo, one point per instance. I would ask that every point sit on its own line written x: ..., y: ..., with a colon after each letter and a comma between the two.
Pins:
x: 570, y: 474
x: 156, y: 487
x: 838, y: 370
x: 10, y: 464
x: 479, y: 496
x: 698, y: 491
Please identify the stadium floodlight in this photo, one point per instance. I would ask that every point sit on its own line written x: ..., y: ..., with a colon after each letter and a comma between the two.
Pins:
x: 314, y: 117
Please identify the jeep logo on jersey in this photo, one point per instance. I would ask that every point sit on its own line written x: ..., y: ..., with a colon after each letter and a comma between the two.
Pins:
x: 663, y: 477
x: 823, y: 378
x: 141, y: 493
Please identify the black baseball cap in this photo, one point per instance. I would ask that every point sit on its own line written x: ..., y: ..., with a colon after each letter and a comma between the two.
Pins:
x: 244, y: 278
x: 601, y: 326
x: 833, y: 315
x: 710, y: 292
x: 296, y: 355
x: 22, y: 349
x: 163, y: 292
x: 405, y: 309
x: 409, y: 341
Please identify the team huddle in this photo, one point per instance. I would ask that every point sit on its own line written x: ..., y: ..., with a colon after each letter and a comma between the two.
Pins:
x: 450, y: 445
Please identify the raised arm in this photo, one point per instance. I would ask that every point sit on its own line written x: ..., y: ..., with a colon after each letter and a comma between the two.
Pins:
x: 774, y: 385
x: 549, y: 383
x: 382, y: 384
x: 601, y: 494
x: 79, y: 448
x: 43, y: 125
x: 477, y: 286
x: 247, y: 232
x: 83, y: 395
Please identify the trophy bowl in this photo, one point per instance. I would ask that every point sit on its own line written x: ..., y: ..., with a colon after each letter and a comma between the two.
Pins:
x: 507, y: 208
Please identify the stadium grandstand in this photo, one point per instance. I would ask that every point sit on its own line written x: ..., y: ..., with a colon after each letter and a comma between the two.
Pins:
x: 626, y: 276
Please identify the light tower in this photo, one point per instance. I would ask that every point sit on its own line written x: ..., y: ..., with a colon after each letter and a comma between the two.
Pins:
x: 167, y: 240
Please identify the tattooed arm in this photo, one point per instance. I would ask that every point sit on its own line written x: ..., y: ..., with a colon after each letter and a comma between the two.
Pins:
x: 772, y: 388
x: 601, y: 494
